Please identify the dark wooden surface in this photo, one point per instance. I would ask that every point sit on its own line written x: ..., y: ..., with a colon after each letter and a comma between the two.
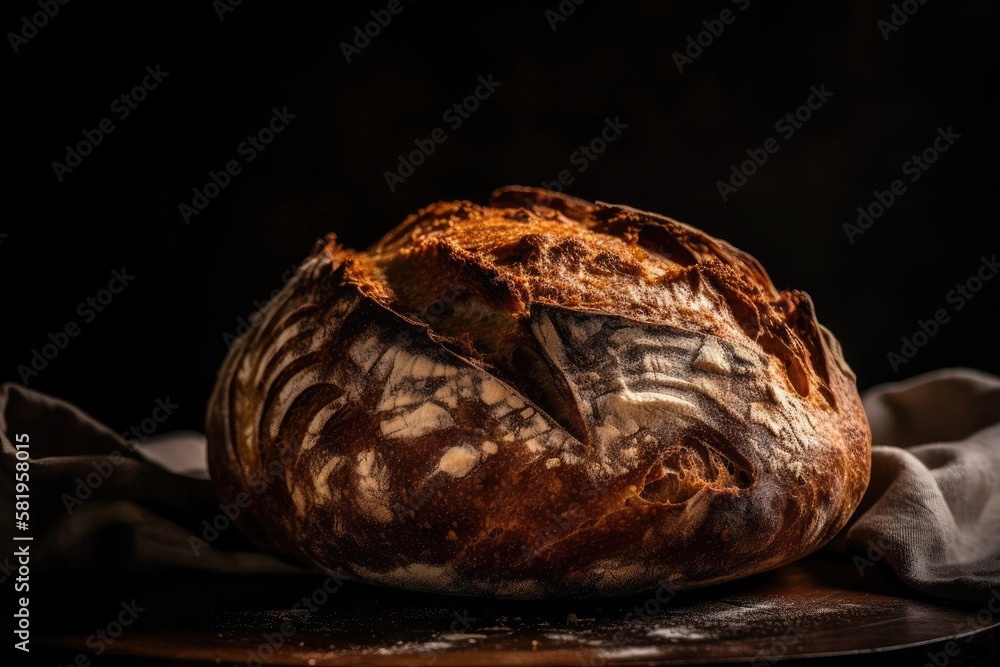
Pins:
x: 818, y: 611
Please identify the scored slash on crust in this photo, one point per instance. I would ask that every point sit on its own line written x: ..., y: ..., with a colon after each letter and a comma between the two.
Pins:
x: 620, y: 375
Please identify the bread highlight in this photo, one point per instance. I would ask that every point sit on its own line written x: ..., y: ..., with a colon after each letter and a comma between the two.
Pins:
x: 540, y: 397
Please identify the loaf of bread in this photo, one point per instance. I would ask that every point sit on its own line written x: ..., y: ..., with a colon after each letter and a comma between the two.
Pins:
x: 536, y: 398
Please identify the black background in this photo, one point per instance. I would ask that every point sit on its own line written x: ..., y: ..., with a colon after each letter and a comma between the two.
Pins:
x: 163, y: 336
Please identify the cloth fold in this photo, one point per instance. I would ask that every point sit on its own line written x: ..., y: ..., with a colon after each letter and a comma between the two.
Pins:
x: 932, y: 508
x: 931, y: 511
x: 97, y: 501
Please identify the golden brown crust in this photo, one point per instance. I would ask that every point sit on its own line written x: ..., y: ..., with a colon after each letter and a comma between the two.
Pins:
x: 540, y: 397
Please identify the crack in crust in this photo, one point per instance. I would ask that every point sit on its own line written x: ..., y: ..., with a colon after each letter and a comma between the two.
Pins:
x: 539, y: 397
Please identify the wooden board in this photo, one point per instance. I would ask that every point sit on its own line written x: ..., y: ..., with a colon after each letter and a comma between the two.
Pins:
x: 820, y: 610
